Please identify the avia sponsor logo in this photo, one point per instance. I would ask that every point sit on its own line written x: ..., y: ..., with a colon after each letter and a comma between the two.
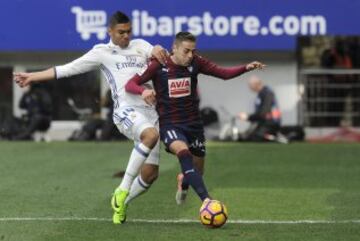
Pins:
x: 179, y: 87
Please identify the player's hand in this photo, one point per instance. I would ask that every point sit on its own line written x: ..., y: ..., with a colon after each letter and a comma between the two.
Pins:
x: 255, y: 65
x: 149, y: 96
x: 22, y: 79
x: 160, y: 54
x: 243, y: 116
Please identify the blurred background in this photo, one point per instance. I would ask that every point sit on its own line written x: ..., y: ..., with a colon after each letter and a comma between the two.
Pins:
x: 311, y: 49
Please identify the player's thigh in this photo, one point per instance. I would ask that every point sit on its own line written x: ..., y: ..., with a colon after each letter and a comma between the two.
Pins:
x: 196, y: 141
x: 174, y: 139
x: 133, y: 123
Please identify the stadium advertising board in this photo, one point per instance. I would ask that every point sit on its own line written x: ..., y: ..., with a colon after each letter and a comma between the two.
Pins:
x: 42, y: 25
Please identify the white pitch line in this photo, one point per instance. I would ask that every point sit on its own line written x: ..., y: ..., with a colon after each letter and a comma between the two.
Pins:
x: 21, y: 219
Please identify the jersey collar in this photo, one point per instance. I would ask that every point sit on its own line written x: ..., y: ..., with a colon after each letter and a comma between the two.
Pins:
x: 112, y: 45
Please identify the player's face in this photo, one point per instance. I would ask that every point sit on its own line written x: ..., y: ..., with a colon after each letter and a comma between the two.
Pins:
x: 120, y: 34
x: 184, y: 52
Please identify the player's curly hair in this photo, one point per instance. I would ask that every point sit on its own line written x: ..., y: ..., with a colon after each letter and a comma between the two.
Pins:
x: 118, y: 17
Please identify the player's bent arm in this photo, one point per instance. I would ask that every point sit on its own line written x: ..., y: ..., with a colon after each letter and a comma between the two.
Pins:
x: 134, y: 85
x: 150, y: 51
x: 159, y: 53
x: 149, y: 96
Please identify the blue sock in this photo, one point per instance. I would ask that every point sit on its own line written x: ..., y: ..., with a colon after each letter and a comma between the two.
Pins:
x: 185, y: 183
x: 191, y: 175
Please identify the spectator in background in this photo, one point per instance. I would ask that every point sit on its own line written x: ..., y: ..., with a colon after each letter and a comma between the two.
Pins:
x: 106, y: 127
x: 338, y: 57
x: 38, y: 105
x: 354, y: 48
x: 266, y: 120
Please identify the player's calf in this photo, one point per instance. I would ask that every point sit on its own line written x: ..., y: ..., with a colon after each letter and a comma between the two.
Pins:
x: 193, y: 177
x: 149, y: 173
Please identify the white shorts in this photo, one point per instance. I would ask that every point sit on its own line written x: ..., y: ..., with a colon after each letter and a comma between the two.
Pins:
x: 134, y: 120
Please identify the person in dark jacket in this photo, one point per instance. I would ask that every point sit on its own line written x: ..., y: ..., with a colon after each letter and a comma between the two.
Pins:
x: 38, y: 105
x: 266, y: 119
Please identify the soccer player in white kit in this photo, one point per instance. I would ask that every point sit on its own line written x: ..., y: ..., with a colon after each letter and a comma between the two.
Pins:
x: 119, y: 60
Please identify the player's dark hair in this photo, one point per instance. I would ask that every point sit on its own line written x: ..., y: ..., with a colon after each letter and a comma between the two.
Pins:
x: 184, y: 36
x: 117, y: 18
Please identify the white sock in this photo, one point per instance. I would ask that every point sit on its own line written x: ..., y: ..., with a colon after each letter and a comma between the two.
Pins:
x: 137, y: 158
x: 138, y: 187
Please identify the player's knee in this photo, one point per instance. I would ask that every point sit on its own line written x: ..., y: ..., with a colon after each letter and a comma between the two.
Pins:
x: 183, y: 152
x: 179, y: 147
x: 149, y: 137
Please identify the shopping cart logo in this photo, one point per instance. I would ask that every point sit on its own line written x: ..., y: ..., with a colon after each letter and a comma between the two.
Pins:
x: 90, y: 22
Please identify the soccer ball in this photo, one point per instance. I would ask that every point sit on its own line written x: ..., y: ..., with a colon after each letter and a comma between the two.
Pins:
x: 213, y: 214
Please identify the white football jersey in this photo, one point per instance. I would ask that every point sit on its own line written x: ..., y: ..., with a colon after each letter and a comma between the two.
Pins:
x: 118, y: 66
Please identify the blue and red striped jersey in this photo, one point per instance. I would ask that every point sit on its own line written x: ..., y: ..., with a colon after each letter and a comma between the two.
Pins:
x: 176, y: 87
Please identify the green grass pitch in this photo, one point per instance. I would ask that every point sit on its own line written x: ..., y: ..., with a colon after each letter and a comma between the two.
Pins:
x: 61, y: 191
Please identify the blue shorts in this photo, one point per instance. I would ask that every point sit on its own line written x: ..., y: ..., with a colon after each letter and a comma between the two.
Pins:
x: 193, y: 136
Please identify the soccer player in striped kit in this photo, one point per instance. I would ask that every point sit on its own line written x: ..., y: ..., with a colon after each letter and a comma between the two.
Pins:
x: 119, y: 60
x: 177, y: 103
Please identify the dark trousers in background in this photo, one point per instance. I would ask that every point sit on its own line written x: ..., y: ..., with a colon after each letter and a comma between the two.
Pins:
x: 260, y: 131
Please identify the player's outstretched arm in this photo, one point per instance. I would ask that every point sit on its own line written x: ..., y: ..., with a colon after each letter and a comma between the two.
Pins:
x: 255, y: 65
x: 210, y: 68
x: 25, y: 79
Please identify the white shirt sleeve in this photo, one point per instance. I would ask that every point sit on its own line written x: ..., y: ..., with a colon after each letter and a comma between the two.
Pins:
x: 88, y: 62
